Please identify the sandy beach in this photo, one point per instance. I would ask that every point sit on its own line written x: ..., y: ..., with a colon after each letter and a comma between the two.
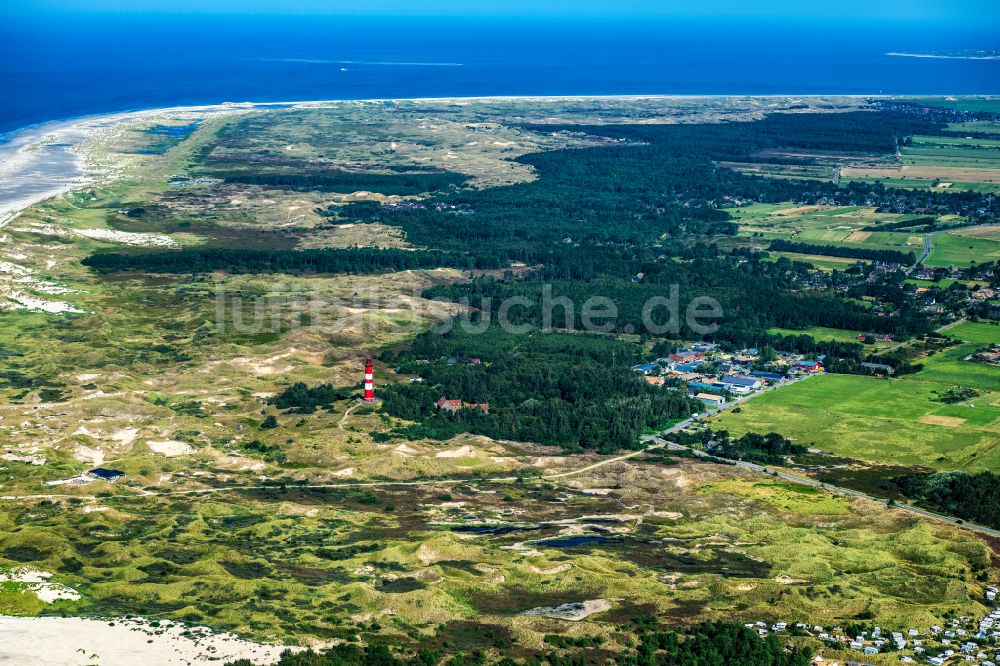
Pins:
x: 45, y: 160
x: 81, y: 642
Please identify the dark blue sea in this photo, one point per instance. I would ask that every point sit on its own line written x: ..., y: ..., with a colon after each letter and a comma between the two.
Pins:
x: 62, y: 67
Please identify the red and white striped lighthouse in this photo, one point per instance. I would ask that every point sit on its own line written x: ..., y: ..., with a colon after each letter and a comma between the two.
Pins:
x: 369, y: 382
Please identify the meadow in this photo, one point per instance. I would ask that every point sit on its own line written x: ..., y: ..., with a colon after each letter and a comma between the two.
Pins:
x: 823, y: 333
x: 892, y: 421
x: 965, y: 248
x: 970, y: 162
x: 825, y: 225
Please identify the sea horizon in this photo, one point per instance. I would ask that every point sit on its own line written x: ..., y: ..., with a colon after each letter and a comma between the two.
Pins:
x: 53, y: 75
x: 7, y: 135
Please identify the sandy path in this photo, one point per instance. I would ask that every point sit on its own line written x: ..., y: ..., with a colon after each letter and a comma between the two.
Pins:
x: 71, y: 641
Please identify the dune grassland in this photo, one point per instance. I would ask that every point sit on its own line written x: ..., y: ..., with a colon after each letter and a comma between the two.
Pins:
x: 348, y: 522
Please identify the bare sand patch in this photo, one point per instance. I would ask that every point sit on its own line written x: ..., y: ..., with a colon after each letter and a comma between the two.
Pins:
x: 31, y: 580
x: 404, y: 450
x: 794, y: 211
x: 125, y: 436
x: 128, y: 237
x: 946, y: 421
x: 573, y: 611
x: 461, y: 452
x: 673, y: 515
x: 427, y: 555
x: 857, y: 237
x: 169, y: 447
x: 71, y: 641
x: 88, y: 455
x: 560, y: 568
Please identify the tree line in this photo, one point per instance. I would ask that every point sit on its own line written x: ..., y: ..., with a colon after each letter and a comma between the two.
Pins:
x: 974, y: 497
x: 336, y: 180
x: 886, y: 256
x: 709, y: 644
x: 355, y: 261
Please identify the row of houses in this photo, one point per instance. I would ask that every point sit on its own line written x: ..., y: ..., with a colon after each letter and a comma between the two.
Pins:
x: 712, y: 376
x: 963, y: 640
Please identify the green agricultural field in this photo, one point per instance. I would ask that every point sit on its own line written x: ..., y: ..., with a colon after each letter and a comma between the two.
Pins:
x: 979, y: 332
x: 943, y: 284
x: 982, y: 126
x: 964, y: 249
x: 823, y: 333
x: 950, y: 367
x: 843, y: 226
x: 899, y: 421
x: 926, y: 184
x: 882, y: 421
x: 941, y: 163
x: 820, y: 261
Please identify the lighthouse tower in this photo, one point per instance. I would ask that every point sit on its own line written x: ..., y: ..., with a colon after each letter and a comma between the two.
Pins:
x: 369, y: 382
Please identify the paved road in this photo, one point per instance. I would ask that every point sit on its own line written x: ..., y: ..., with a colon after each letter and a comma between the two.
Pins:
x: 927, y: 248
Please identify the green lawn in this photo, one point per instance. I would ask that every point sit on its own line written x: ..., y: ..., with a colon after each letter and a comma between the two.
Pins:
x: 925, y: 184
x: 842, y: 226
x: 897, y: 421
x: 882, y: 421
x: 989, y: 104
x: 983, y: 126
x: 982, y: 332
x: 962, y: 251
x: 820, y: 333
x: 820, y: 261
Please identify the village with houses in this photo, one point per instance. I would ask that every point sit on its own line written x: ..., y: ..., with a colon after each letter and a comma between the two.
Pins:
x: 715, y: 377
x: 961, y: 640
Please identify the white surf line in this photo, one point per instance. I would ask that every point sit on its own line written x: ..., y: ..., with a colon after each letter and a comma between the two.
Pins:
x: 42, y: 161
x: 38, y: 162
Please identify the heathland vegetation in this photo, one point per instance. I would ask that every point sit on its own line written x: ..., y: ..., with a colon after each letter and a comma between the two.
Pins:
x: 260, y: 497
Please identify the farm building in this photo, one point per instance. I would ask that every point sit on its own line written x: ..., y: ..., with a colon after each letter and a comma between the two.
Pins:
x: 711, y: 399
x: 444, y: 404
x: 809, y: 366
x: 740, y: 384
x: 767, y: 376
x: 105, y: 474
